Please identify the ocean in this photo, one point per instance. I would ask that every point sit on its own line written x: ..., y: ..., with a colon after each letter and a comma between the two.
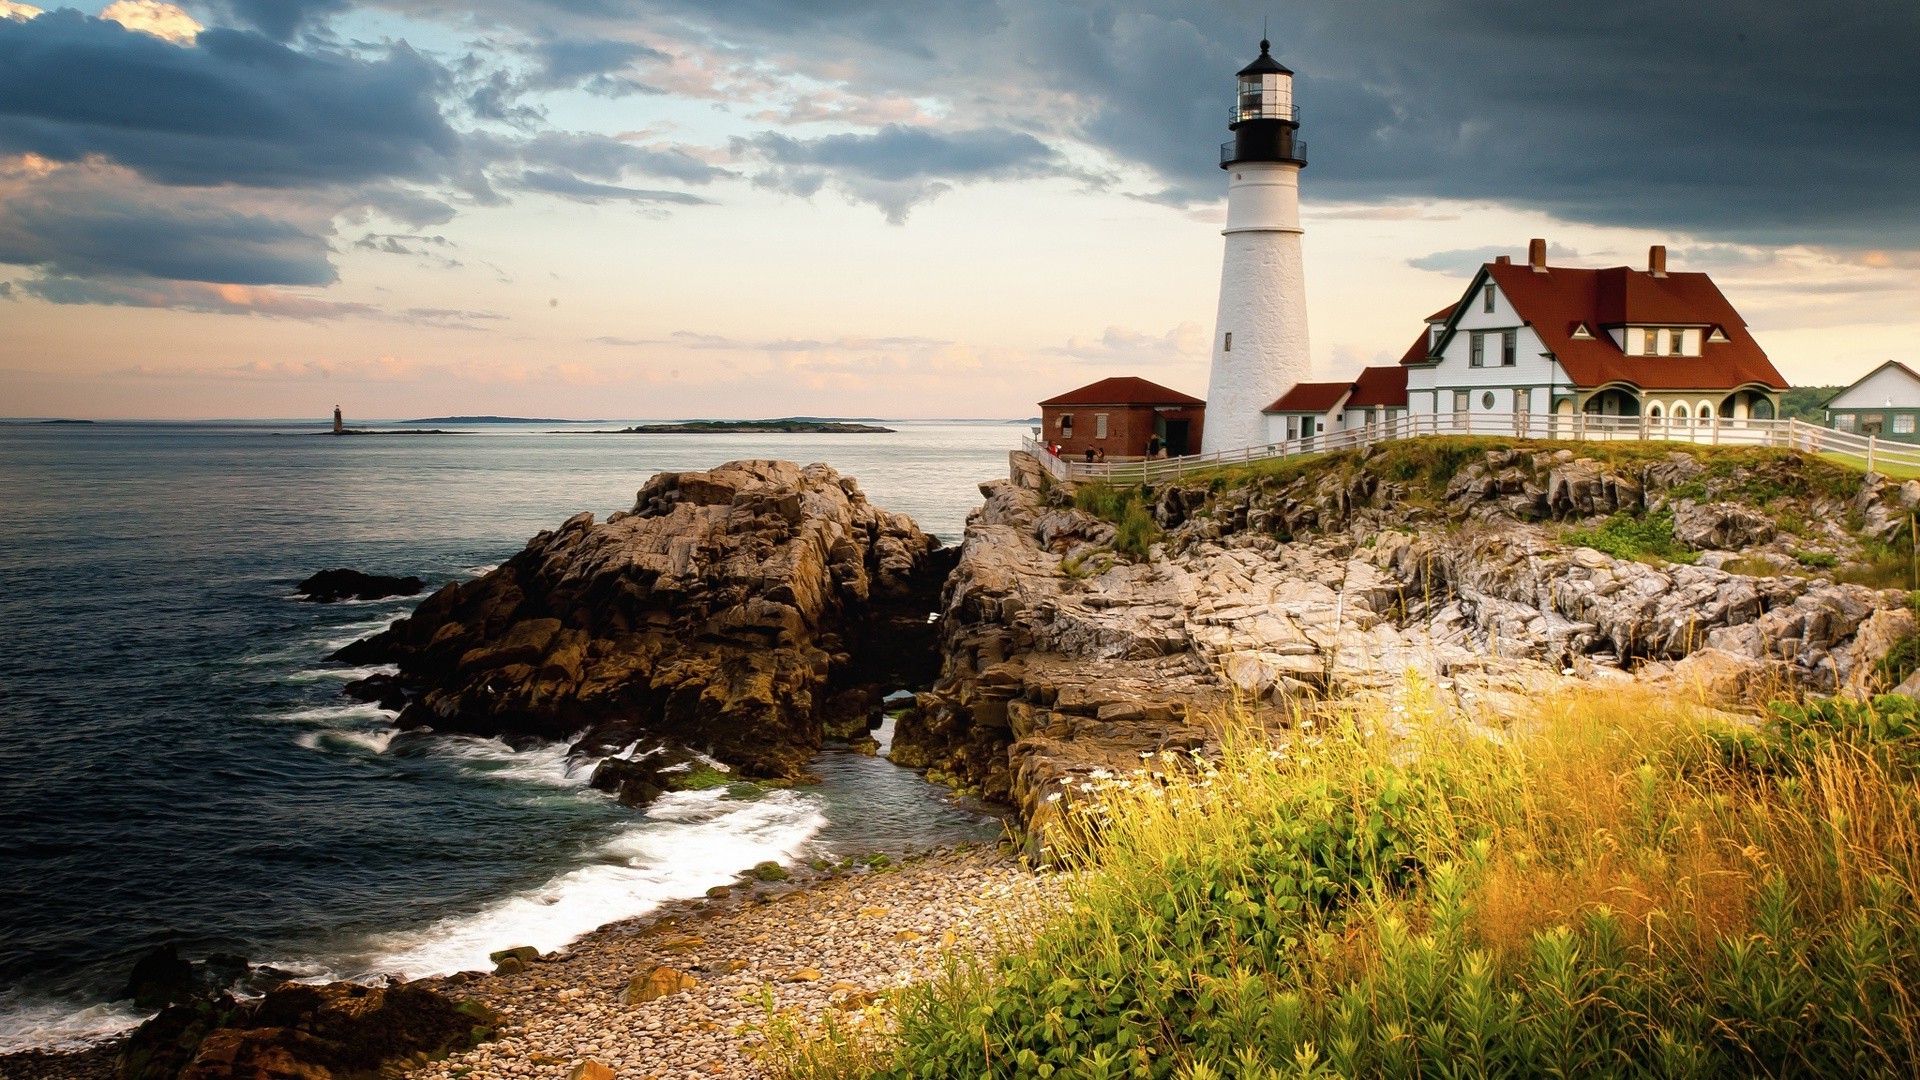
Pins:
x: 176, y: 763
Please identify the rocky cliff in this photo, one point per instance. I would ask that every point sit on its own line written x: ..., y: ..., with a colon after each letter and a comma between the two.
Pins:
x: 738, y: 613
x: 1477, y: 567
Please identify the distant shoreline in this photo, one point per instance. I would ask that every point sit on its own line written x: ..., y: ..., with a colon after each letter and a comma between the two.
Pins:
x: 744, y: 427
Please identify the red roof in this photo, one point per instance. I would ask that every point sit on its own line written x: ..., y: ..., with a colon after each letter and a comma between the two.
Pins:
x: 1422, y: 346
x: 1315, y: 397
x: 1442, y: 314
x: 1555, y: 302
x: 1125, y: 390
x: 1380, y: 387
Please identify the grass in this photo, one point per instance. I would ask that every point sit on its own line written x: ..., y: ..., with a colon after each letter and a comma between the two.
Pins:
x: 1126, y: 506
x: 1626, y: 885
x: 1630, y: 536
x: 1884, y: 468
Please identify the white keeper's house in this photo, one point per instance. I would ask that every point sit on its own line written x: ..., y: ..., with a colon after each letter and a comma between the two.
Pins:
x: 1527, y: 343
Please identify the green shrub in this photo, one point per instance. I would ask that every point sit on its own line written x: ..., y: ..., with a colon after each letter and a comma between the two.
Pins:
x: 1126, y: 507
x: 1626, y: 536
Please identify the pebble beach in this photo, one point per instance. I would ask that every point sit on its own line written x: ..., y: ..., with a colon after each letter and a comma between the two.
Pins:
x: 819, y: 942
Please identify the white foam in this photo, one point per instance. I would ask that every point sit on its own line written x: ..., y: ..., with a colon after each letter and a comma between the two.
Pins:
x: 375, y: 741
x: 49, y: 1026
x: 691, y: 842
x: 546, y: 764
x: 341, y: 674
x: 334, y: 715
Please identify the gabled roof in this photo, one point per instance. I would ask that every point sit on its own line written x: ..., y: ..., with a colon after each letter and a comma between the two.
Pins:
x: 1442, y: 314
x: 1311, y: 397
x: 1125, y: 390
x: 1421, y: 349
x: 1380, y: 387
x: 1554, y: 302
x: 1838, y: 394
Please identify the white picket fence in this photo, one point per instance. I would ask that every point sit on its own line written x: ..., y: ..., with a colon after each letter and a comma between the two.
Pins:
x: 1872, y: 452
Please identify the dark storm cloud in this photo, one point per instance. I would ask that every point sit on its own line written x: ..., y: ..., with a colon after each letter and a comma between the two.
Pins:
x: 281, y: 19
x: 64, y: 232
x: 234, y: 108
x: 1744, y: 119
x: 590, y: 64
x: 897, y: 167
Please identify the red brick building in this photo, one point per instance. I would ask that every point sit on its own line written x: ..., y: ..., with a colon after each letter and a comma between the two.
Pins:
x: 1120, y: 416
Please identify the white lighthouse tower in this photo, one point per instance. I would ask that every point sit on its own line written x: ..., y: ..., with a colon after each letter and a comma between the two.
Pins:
x: 1260, y: 340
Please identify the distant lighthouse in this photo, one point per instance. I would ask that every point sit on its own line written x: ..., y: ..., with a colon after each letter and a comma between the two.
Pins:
x: 339, y: 427
x: 1260, y: 340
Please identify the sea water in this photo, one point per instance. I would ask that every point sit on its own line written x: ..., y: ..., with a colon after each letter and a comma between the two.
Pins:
x: 177, y: 764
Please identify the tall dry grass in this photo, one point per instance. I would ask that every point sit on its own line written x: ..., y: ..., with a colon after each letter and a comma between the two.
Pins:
x: 1625, y: 884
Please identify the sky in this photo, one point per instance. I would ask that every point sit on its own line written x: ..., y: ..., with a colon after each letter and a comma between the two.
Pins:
x: 671, y: 208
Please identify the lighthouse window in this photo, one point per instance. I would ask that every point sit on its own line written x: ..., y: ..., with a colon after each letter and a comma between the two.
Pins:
x: 1228, y: 347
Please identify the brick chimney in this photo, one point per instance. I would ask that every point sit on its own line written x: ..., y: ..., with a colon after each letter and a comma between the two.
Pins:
x: 1537, y: 255
x: 1503, y: 260
x: 1657, y: 260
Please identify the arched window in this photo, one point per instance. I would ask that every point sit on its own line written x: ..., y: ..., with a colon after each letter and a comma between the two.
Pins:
x: 1680, y: 411
x: 1761, y: 409
x: 1653, y: 411
x: 1703, y: 412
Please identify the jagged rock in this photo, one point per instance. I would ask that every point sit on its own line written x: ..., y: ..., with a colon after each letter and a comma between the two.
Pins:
x: 1053, y: 672
x: 730, y: 611
x: 1720, y: 526
x: 299, y: 1032
x: 328, y: 586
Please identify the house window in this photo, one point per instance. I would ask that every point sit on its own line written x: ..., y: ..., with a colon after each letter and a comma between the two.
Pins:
x: 1843, y: 422
x: 1522, y: 401
x: 1486, y: 300
x: 1436, y: 337
x: 1509, y: 348
x: 1653, y: 411
x: 1677, y: 342
x: 1100, y: 425
x: 1066, y: 425
x: 1650, y: 345
x: 1228, y: 347
x: 1460, y: 402
x: 1486, y: 400
x: 1903, y: 424
x: 1872, y: 423
x: 1477, y: 355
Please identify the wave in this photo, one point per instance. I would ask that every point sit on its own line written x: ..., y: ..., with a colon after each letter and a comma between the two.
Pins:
x: 691, y: 842
x: 28, y: 1025
x: 339, y: 674
x: 334, y: 715
x: 375, y: 741
x: 548, y: 763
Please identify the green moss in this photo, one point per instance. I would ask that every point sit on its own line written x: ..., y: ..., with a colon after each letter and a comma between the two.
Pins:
x: 769, y: 871
x: 700, y: 778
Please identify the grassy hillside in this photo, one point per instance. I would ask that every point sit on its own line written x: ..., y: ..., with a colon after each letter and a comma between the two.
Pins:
x: 1630, y: 886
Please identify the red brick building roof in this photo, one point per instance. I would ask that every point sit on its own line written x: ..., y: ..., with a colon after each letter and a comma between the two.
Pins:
x: 1556, y: 303
x: 1124, y: 390
x: 1314, y: 397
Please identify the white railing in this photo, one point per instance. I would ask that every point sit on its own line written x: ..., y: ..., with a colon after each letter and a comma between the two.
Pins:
x: 1874, y: 453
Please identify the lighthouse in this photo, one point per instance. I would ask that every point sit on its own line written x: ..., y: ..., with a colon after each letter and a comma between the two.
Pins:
x: 1260, y: 339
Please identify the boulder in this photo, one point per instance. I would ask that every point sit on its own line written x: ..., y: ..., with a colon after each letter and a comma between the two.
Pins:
x: 657, y: 983
x: 329, y: 586
x: 1720, y: 526
x: 736, y: 611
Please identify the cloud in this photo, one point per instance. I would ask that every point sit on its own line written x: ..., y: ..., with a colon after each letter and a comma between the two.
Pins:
x: 897, y: 167
x: 81, y: 221
x: 603, y: 157
x: 234, y: 109
x: 281, y: 19
x: 190, y: 296
x: 164, y: 21
x: 593, y: 65
x: 568, y: 186
x: 1119, y: 344
x: 1465, y: 262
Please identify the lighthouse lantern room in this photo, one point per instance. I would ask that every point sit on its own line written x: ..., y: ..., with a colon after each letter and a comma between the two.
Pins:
x: 1260, y: 339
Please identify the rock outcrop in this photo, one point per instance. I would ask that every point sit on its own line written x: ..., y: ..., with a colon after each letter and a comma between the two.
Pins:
x: 741, y: 612
x: 329, y: 586
x: 1341, y: 577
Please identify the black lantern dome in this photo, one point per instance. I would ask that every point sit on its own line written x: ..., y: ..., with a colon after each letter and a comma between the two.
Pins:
x: 1264, y: 121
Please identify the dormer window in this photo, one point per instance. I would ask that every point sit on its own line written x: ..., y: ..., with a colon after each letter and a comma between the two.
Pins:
x: 1650, y: 343
x: 1676, y: 343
